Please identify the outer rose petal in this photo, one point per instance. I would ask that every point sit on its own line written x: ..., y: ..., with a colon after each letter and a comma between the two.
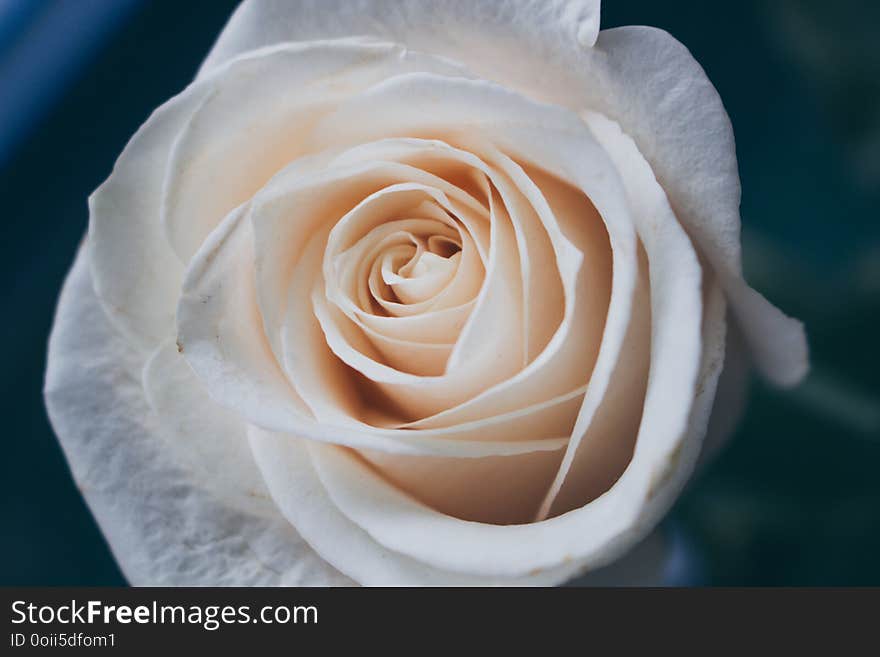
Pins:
x: 136, y: 270
x: 650, y: 84
x: 131, y: 259
x: 226, y: 151
x: 472, y: 30
x: 287, y: 466
x: 201, y: 436
x: 163, y: 526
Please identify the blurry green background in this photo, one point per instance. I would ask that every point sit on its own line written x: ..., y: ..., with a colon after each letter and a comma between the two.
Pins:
x: 794, y: 499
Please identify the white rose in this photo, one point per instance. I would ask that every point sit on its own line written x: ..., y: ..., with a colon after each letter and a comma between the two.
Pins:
x: 409, y: 292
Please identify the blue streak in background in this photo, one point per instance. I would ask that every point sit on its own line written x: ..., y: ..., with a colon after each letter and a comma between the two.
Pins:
x: 14, y: 18
x: 44, y: 45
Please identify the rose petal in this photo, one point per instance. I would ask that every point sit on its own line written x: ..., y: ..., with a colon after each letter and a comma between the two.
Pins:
x: 591, y: 536
x: 163, y: 525
x: 554, y: 140
x: 432, y: 327
x: 478, y: 31
x: 288, y: 470
x: 731, y: 395
x: 542, y: 293
x: 607, y: 423
x: 222, y: 338
x: 227, y: 150
x: 317, y: 192
x: 478, y: 114
x: 419, y: 402
x: 649, y: 83
x: 502, y: 490
x: 290, y: 475
x: 219, y: 329
x: 136, y: 273
x: 208, y: 439
x: 418, y: 395
x: 599, y: 448
x: 374, y: 219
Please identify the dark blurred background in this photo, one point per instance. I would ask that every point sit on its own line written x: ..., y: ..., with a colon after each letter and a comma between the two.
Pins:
x: 794, y: 499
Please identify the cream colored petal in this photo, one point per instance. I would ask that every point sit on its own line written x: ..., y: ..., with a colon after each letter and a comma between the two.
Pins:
x: 536, y: 47
x: 591, y: 536
x: 206, y: 438
x: 476, y: 115
x: 519, y: 38
x: 431, y: 327
x: 229, y: 149
x: 163, y: 524
x: 302, y: 498
x: 136, y: 273
x: 354, y: 272
x: 603, y: 436
x: 602, y: 529
x: 471, y: 366
x: 649, y: 83
x: 220, y: 331
x: 607, y: 424
x: 501, y: 490
x: 315, y: 194
x: 221, y: 336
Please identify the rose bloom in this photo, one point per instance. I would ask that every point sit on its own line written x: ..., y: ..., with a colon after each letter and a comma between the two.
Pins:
x: 411, y: 293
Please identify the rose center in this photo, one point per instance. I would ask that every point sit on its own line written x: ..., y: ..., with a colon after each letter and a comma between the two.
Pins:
x: 418, y: 271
